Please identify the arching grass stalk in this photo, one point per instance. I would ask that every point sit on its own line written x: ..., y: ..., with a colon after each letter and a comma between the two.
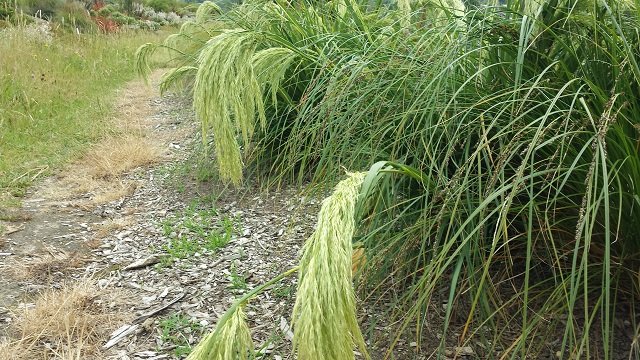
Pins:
x: 231, y: 340
x: 324, y: 315
x: 143, y: 56
x: 207, y: 10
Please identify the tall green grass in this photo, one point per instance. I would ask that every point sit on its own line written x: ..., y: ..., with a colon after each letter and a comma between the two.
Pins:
x: 56, y: 90
x: 511, y: 193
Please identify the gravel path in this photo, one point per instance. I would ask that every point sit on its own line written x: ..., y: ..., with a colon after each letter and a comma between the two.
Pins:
x: 178, y: 250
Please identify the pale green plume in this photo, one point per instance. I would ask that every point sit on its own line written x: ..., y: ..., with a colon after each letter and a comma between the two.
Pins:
x: 228, y: 92
x: 324, y: 315
x: 172, y: 40
x: 175, y: 75
x: 404, y: 6
x: 227, y: 96
x: 230, y: 341
x: 206, y: 11
x: 270, y: 66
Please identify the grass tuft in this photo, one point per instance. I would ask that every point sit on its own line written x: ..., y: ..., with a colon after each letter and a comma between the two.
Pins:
x: 74, y: 321
x: 118, y: 155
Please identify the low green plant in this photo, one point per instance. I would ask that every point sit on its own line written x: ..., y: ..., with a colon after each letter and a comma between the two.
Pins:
x: 175, y: 331
x: 197, y: 229
x: 182, y: 247
x: 283, y: 291
x: 237, y: 281
x: 215, y: 240
x: 165, y: 262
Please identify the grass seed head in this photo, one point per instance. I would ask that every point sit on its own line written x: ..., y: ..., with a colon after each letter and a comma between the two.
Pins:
x: 230, y: 341
x: 324, y: 315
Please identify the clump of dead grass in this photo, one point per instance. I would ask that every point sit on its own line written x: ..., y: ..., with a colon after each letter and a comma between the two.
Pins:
x: 99, y: 172
x: 71, y: 323
x: 117, y: 155
x: 48, y: 267
x: 113, y: 190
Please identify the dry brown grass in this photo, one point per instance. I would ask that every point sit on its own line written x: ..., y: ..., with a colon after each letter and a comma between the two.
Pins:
x: 71, y: 323
x: 115, y: 156
x: 48, y: 267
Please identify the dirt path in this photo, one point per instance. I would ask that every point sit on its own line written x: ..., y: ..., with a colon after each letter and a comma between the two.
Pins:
x: 130, y: 237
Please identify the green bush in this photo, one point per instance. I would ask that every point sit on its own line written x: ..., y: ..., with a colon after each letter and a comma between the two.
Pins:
x: 162, y: 5
x: 122, y: 19
x: 107, y: 10
x: 42, y: 8
x: 7, y: 11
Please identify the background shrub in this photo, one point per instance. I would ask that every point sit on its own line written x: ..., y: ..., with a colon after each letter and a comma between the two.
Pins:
x: 43, y: 8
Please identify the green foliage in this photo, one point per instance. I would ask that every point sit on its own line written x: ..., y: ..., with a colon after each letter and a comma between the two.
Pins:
x: 237, y: 281
x: 107, y: 10
x: 181, y: 247
x: 7, y: 11
x: 122, y: 19
x: 45, y: 9
x: 196, y: 230
x: 163, y: 5
x: 73, y: 15
x: 512, y: 185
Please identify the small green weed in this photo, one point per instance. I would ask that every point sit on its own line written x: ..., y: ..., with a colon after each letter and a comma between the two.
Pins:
x: 282, y: 291
x: 205, y: 170
x: 182, y: 247
x: 175, y: 330
x: 220, y: 237
x: 238, y: 281
x: 197, y: 229
x: 165, y: 262
x: 197, y: 168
